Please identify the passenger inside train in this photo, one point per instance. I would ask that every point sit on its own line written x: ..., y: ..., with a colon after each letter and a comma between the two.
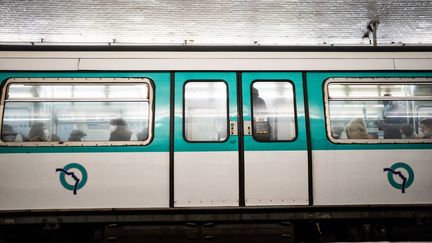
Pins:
x: 119, y: 130
x: 394, y: 112
x: 76, y: 135
x: 426, y: 128
x: 38, y: 133
x: 273, y: 111
x: 262, y: 126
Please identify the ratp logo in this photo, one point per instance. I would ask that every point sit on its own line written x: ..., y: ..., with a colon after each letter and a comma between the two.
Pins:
x: 404, y: 174
x: 76, y: 173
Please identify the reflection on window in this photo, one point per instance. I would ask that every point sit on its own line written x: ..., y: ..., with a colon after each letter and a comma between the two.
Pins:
x: 205, y: 111
x: 65, y: 112
x: 78, y: 91
x: 370, y: 90
x: 273, y: 111
x: 390, y: 111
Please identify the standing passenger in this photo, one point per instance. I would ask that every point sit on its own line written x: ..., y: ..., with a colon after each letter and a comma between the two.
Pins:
x: 261, y: 123
x: 394, y: 112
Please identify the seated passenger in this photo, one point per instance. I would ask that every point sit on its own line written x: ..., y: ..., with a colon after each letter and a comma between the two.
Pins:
x: 38, y: 133
x: 426, y: 128
x: 120, y: 130
x: 356, y: 129
x: 392, y: 132
x: 8, y: 133
x: 407, y: 132
x: 76, y: 135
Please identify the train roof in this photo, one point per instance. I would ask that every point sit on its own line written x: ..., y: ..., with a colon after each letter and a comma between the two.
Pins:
x: 215, y: 58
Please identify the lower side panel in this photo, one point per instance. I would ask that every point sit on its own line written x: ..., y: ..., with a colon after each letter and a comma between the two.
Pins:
x: 111, y: 180
x: 206, y: 179
x: 359, y: 177
x: 276, y: 178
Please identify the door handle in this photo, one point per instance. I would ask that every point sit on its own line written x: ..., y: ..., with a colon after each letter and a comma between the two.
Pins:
x: 233, y: 128
x: 247, y: 128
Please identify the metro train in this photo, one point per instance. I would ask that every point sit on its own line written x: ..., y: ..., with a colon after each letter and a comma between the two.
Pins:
x: 239, y: 133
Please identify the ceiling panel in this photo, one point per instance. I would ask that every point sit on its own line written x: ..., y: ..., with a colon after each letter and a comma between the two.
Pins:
x: 215, y: 22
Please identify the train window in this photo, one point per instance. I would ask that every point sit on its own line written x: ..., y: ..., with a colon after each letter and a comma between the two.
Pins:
x: 379, y: 110
x: 273, y: 111
x: 76, y: 112
x: 205, y: 111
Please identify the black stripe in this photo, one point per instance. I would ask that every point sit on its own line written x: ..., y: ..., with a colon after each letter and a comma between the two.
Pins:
x: 242, y: 202
x: 243, y: 48
x: 308, y: 138
x: 171, y: 141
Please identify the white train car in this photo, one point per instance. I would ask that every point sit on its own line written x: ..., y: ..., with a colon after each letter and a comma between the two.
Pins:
x: 322, y: 138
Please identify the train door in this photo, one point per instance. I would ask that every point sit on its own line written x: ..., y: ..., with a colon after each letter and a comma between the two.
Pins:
x: 206, y: 164
x: 275, y: 148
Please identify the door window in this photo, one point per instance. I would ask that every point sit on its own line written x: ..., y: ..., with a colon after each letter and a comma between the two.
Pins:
x: 273, y: 112
x: 206, y: 111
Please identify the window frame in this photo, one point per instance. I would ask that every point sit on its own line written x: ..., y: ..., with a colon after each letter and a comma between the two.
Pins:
x: 377, y: 80
x: 40, y: 81
x: 184, y: 110
x: 294, y: 104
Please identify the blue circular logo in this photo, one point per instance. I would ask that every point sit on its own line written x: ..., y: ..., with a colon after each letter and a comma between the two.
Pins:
x: 406, y: 175
x: 78, y: 182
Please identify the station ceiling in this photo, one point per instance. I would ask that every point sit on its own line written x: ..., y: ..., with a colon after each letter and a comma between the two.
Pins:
x: 214, y: 22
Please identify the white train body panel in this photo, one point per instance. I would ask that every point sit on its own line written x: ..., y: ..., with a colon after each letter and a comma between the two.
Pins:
x: 356, y: 177
x: 115, y: 180
x: 206, y: 179
x: 276, y: 178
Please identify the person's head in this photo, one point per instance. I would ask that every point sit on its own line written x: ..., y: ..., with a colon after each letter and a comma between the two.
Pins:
x: 38, y: 132
x: 356, y: 129
x: 387, y: 103
x: 426, y: 126
x: 118, y: 122
x: 76, y: 135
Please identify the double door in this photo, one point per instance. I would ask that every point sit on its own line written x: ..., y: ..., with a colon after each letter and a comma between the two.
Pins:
x: 239, y: 139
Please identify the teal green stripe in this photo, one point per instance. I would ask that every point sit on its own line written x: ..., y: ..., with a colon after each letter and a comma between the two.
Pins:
x: 180, y: 78
x: 296, y: 78
x: 315, y: 82
x: 160, y: 141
